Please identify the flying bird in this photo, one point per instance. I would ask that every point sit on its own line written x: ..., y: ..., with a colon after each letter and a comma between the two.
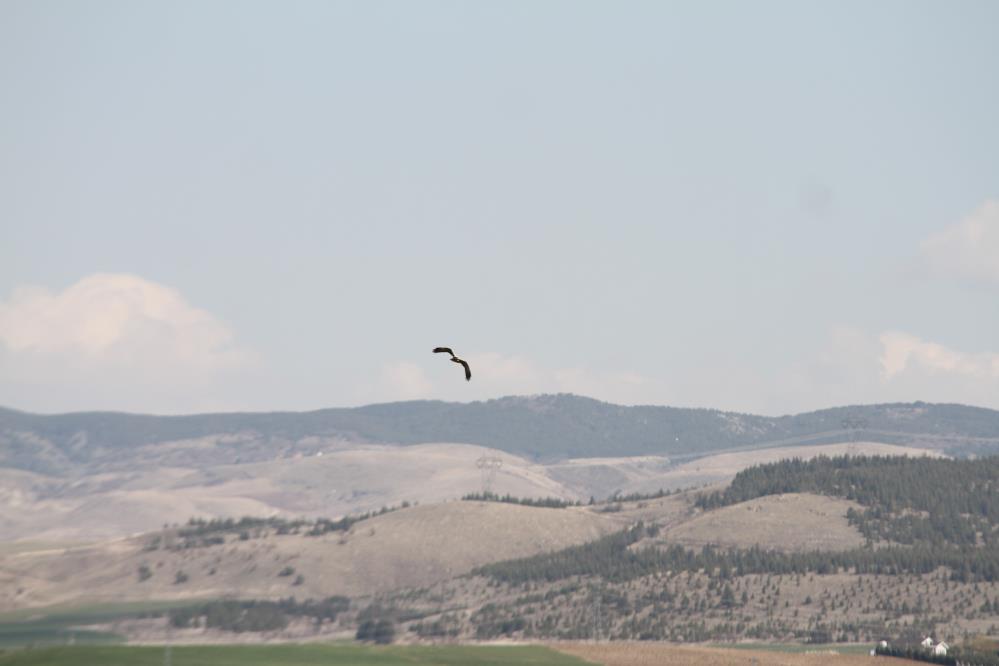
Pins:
x: 455, y: 359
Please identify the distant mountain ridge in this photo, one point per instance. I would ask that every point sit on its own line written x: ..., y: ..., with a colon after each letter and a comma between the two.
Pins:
x: 545, y: 427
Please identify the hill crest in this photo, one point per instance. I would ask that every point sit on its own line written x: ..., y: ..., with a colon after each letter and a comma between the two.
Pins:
x: 544, y: 427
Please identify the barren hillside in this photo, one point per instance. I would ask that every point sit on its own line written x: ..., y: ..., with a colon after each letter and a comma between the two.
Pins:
x: 338, y: 479
x: 334, y: 481
x: 411, y: 547
x: 793, y: 521
x: 406, y: 548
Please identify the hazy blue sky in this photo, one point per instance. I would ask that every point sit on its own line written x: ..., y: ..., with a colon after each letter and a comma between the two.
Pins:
x: 758, y: 206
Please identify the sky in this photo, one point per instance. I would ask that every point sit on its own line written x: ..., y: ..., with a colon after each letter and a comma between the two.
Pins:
x: 766, y: 207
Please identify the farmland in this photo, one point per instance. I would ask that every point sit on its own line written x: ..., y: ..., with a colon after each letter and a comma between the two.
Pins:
x: 665, y: 654
x: 293, y: 655
x: 560, y: 654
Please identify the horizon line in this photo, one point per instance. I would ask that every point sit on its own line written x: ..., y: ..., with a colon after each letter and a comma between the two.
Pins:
x: 915, y: 403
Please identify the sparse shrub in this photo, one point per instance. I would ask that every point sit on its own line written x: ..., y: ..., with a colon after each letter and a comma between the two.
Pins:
x: 381, y: 631
x: 180, y: 578
x: 181, y: 618
x: 287, y: 571
x: 145, y: 573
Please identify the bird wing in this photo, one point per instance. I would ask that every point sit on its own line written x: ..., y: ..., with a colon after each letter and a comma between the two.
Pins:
x: 445, y: 350
x: 468, y: 371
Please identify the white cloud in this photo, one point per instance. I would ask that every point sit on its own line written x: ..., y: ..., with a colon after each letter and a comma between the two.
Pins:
x: 111, y: 317
x: 968, y: 249
x: 113, y: 341
x: 505, y: 372
x: 903, y: 353
x: 856, y: 366
x: 125, y: 343
x: 850, y: 366
x: 406, y: 380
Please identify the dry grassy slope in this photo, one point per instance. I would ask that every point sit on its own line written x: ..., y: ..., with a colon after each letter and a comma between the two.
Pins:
x: 793, y: 521
x: 343, y: 479
x: 407, y: 548
x: 412, y: 547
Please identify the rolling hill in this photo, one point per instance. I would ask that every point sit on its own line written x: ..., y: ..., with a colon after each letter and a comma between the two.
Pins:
x: 91, y: 476
x: 410, y: 547
x: 819, y: 551
x: 344, y: 479
x: 541, y: 428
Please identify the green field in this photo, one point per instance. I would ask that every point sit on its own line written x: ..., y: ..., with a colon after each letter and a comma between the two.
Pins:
x: 291, y: 655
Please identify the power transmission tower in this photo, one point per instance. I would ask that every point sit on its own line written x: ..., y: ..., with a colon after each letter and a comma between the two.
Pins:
x: 488, y: 466
x: 854, y: 426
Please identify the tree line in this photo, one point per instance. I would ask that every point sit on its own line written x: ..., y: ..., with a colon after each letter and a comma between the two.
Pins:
x: 906, y: 500
x: 542, y: 502
x: 200, y: 533
x: 612, y: 559
x: 255, y: 616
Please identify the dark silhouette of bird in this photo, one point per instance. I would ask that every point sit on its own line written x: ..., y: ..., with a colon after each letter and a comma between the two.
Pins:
x: 455, y: 359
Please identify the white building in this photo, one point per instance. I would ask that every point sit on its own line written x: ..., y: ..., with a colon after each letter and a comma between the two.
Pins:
x: 941, y: 649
